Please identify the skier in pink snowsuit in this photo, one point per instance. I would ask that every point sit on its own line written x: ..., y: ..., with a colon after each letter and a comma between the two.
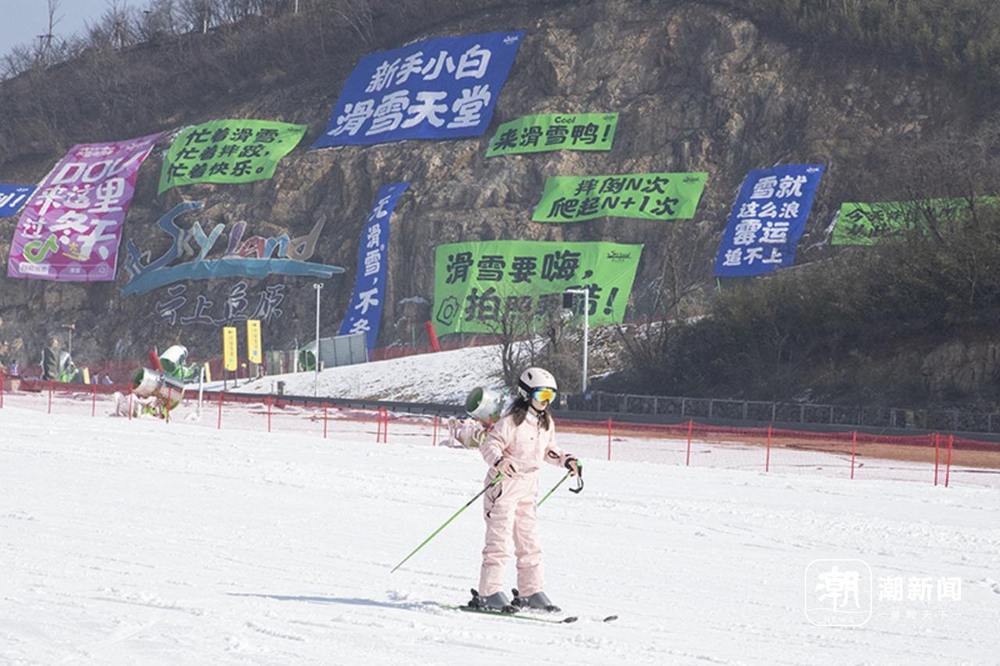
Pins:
x: 515, y: 448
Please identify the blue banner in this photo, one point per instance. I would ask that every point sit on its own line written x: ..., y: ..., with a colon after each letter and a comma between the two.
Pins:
x: 767, y: 220
x: 12, y: 197
x: 442, y: 88
x: 364, y: 312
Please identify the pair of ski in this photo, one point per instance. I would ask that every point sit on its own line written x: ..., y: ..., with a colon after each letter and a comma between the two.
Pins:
x: 517, y: 615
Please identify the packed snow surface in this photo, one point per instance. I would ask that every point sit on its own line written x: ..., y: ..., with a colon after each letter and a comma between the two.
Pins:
x: 444, y: 377
x: 143, y: 542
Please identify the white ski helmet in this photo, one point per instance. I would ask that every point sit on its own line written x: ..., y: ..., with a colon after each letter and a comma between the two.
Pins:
x: 534, y: 378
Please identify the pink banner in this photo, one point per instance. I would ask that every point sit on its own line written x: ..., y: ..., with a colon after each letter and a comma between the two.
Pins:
x: 69, y: 230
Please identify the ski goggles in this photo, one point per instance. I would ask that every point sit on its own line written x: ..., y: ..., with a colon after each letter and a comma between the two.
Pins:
x: 544, y: 394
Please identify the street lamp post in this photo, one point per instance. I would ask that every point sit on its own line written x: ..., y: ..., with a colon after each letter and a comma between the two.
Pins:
x: 70, y: 328
x: 318, y: 287
x: 585, y: 291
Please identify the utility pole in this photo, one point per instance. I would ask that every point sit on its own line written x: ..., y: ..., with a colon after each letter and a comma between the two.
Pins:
x: 318, y: 287
x: 585, y: 291
x: 70, y: 328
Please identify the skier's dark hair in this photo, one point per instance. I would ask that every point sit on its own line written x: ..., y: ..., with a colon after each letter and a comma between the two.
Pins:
x: 520, y: 409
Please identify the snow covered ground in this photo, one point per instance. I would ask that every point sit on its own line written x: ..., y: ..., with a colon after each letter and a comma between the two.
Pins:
x: 143, y: 542
x: 442, y: 377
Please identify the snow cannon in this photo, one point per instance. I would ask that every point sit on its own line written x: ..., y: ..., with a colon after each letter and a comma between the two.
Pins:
x: 173, y: 359
x: 167, y: 390
x: 484, y: 404
x: 173, y: 362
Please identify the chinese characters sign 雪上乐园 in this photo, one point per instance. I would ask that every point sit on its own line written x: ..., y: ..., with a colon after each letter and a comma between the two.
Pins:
x: 228, y: 151
x: 491, y: 285
x: 768, y: 219
x: 239, y: 304
x: 12, y: 197
x: 554, y: 131
x: 648, y: 196
x: 364, y: 311
x: 442, y: 88
x: 867, y: 223
x: 70, y: 229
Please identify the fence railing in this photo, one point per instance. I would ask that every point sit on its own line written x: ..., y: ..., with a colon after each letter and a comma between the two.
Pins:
x: 940, y: 458
x: 954, y: 420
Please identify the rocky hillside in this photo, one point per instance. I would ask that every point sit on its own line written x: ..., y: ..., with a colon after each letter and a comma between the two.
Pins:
x: 699, y: 86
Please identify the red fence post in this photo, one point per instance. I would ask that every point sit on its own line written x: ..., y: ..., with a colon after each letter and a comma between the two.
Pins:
x: 609, y: 439
x: 50, y: 398
x: 385, y: 429
x: 687, y: 457
x: 937, y: 455
x: 947, y: 464
x: 767, y: 457
x: 325, y: 421
x: 93, y: 400
x: 378, y: 425
x: 269, y: 400
x: 1, y: 390
x: 434, y: 436
x: 130, y: 405
x: 432, y: 335
x: 219, y: 425
x: 854, y: 450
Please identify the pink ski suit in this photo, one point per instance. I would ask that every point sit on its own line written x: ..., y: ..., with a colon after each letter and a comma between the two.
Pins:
x: 509, y: 506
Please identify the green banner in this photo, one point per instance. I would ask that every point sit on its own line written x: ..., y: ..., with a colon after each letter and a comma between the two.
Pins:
x: 228, y: 151
x: 649, y: 196
x: 507, y: 286
x: 867, y: 223
x: 554, y: 131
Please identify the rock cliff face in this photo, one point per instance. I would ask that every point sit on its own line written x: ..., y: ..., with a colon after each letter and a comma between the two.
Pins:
x: 698, y: 87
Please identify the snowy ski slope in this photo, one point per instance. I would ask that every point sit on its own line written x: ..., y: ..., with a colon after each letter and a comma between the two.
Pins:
x: 139, y: 542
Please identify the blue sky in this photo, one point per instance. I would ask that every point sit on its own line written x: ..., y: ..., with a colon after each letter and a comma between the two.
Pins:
x: 22, y: 20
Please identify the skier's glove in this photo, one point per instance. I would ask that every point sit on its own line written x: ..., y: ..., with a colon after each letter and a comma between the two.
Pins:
x: 505, y: 467
x: 574, y: 466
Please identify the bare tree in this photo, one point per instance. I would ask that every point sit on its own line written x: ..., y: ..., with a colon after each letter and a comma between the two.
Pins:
x: 161, y: 17
x: 45, y: 40
x: 199, y: 15
x: 357, y: 14
x: 114, y: 29
x: 683, y: 275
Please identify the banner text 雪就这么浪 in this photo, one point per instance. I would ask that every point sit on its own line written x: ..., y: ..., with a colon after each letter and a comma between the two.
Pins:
x: 767, y: 220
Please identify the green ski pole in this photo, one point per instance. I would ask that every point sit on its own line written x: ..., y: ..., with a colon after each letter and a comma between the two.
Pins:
x: 566, y: 476
x: 447, y: 522
x: 554, y: 488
